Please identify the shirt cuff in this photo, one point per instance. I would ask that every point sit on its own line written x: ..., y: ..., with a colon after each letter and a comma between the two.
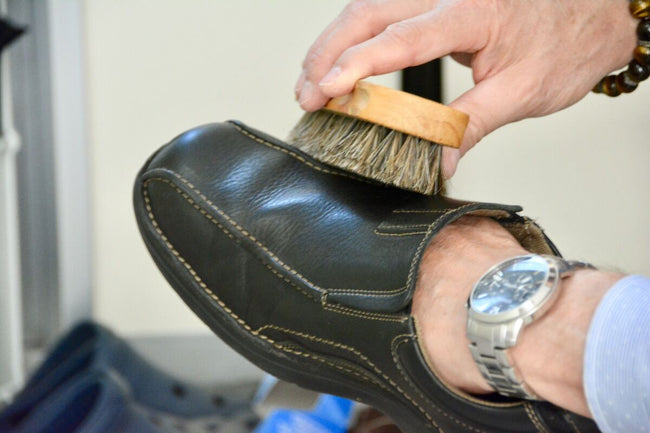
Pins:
x: 617, y: 358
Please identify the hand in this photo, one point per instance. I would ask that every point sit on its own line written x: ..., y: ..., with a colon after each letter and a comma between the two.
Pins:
x: 528, y: 58
x: 549, y: 353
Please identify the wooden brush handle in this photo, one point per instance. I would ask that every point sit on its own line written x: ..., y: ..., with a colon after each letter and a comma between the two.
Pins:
x: 403, y: 112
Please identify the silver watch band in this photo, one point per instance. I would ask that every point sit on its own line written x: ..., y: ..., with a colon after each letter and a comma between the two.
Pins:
x: 489, y: 348
x: 490, y: 343
x: 567, y: 267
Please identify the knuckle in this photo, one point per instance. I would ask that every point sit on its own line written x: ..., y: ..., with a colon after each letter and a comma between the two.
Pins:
x: 354, y: 59
x: 403, y: 33
x: 358, y: 10
x: 312, y: 58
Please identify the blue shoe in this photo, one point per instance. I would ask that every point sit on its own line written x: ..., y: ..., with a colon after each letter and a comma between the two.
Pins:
x: 331, y: 415
x: 91, y: 347
x: 90, y: 403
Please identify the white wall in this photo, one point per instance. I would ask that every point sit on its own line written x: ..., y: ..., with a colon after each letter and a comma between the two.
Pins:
x: 159, y: 67
x: 582, y: 173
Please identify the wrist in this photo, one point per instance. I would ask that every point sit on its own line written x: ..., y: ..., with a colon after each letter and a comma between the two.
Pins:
x: 549, y: 353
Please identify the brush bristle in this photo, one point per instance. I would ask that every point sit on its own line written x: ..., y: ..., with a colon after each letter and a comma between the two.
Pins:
x: 370, y: 150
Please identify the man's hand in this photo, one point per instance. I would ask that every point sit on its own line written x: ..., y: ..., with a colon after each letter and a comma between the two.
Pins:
x: 549, y: 353
x: 529, y: 58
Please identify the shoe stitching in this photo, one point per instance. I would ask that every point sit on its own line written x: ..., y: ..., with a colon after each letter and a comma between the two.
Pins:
x: 405, y: 226
x: 363, y: 358
x: 394, y: 346
x: 191, y: 270
x: 231, y: 221
x: 334, y: 344
x: 297, y: 156
x: 363, y: 314
x: 348, y: 292
x: 431, y: 229
x: 378, y: 233
x: 239, y: 228
x: 361, y: 376
x: 534, y: 418
x: 381, y: 385
x: 330, y: 343
x: 430, y: 226
x: 418, y: 211
x: 223, y: 229
x: 233, y: 315
x: 323, y: 300
x: 569, y: 418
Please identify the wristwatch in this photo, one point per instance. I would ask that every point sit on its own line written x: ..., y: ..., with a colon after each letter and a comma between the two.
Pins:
x: 509, y: 296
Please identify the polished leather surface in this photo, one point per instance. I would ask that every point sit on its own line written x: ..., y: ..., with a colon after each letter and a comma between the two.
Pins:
x: 309, y: 272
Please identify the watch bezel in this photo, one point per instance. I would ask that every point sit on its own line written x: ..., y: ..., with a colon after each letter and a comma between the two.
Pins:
x: 533, y: 307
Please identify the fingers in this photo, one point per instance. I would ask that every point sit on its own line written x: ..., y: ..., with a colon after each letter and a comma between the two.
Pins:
x: 450, y: 158
x: 359, y: 21
x: 492, y: 103
x: 409, y: 42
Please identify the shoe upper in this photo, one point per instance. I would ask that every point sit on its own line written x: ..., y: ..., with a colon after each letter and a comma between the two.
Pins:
x: 344, y: 238
x: 309, y: 272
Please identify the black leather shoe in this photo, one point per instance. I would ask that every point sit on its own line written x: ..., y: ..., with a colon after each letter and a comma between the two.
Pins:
x: 309, y: 271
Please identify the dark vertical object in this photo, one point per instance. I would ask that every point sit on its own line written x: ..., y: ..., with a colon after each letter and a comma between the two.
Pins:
x: 424, y: 80
x: 9, y: 32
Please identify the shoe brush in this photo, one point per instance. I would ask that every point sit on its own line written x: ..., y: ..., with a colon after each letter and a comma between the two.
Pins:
x: 383, y: 134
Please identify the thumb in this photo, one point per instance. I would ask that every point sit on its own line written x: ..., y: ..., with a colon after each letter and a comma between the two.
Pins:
x: 492, y: 103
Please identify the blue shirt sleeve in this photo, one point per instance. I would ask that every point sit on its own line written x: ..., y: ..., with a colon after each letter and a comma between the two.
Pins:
x: 617, y: 358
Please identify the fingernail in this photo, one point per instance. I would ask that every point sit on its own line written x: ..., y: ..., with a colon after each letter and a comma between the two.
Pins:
x: 306, y: 94
x: 450, y: 158
x: 331, y: 77
x: 299, y: 84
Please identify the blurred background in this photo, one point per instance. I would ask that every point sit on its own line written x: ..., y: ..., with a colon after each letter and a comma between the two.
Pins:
x: 94, y: 87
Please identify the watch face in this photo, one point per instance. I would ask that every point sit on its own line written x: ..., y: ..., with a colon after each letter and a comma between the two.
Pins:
x: 509, y: 285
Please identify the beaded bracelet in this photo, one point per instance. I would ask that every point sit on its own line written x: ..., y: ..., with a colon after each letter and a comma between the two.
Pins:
x: 638, y: 69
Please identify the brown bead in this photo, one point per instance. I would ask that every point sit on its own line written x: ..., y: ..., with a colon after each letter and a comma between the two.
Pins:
x: 642, y: 55
x: 640, y: 8
x: 637, y: 72
x: 609, y: 86
x: 624, y: 84
x: 643, y: 32
x: 598, y: 88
